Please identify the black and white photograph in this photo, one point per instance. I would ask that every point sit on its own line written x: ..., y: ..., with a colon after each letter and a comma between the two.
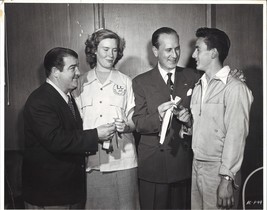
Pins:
x: 133, y: 104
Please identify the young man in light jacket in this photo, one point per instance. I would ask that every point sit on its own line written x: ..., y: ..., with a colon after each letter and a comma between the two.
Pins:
x: 220, y: 106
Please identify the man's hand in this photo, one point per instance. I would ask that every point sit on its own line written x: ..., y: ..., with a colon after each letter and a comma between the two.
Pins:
x: 164, y: 107
x: 238, y: 74
x: 121, y: 126
x: 183, y: 115
x: 106, y: 132
x: 225, y: 194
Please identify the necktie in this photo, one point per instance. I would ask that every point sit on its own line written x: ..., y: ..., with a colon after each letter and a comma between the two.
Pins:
x: 70, y: 104
x: 170, y: 83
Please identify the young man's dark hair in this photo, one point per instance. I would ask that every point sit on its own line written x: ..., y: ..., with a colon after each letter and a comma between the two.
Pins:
x: 215, y: 38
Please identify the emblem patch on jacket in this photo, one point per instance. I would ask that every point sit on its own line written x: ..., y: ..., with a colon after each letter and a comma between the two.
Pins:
x: 119, y: 90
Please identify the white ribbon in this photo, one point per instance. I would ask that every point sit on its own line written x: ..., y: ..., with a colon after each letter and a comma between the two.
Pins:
x: 167, y: 119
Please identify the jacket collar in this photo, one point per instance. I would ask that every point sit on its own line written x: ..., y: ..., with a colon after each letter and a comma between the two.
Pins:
x: 64, y: 95
x: 222, y: 75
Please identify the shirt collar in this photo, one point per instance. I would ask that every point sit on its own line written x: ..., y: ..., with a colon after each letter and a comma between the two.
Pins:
x: 91, y: 76
x: 114, y: 77
x: 164, y: 73
x: 222, y: 75
x: 64, y: 95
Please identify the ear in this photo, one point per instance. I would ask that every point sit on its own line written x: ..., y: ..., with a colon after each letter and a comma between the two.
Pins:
x: 55, y: 72
x: 214, y: 53
x: 155, y: 51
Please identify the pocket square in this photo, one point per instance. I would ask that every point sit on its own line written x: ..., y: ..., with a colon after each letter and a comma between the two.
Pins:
x: 189, y: 92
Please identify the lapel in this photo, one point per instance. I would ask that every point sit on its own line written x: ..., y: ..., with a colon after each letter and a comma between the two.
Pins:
x: 62, y: 105
x: 159, y: 84
x: 180, y: 84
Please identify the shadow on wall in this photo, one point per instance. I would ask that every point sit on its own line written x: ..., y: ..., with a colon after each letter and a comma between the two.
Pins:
x: 253, y: 156
x: 20, y: 122
x: 13, y: 165
x: 254, y: 80
x: 13, y: 191
x: 191, y: 63
x: 152, y: 60
x: 128, y: 66
x: 41, y: 75
x: 254, y: 144
x: 20, y: 129
x: 252, y: 184
x: 13, y: 158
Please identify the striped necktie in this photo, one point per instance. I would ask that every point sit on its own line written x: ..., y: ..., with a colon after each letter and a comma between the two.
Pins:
x: 70, y: 104
x: 170, y: 83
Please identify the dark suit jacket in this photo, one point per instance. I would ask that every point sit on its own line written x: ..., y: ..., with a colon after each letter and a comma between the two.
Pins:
x: 170, y: 162
x: 53, y: 170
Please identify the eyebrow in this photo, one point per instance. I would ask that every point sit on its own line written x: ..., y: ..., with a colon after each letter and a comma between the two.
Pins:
x: 73, y: 65
x: 109, y: 47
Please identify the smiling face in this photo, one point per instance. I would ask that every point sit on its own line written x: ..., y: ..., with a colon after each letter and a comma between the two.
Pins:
x: 68, y: 77
x: 107, y: 52
x: 202, y: 55
x: 168, y: 52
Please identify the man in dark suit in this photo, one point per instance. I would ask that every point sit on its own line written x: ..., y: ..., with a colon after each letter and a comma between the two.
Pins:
x: 164, y: 169
x: 53, y: 173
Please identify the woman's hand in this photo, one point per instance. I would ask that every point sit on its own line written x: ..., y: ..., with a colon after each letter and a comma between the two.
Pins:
x: 121, y: 126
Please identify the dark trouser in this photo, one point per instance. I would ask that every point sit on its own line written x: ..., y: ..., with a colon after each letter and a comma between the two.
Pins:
x: 165, y: 196
x: 68, y: 206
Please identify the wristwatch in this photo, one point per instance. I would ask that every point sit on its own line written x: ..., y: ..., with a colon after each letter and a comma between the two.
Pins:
x: 226, y: 177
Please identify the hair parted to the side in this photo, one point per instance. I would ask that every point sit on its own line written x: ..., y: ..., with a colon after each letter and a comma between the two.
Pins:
x: 54, y: 58
x: 215, y: 38
x: 158, y: 32
x: 93, y: 41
